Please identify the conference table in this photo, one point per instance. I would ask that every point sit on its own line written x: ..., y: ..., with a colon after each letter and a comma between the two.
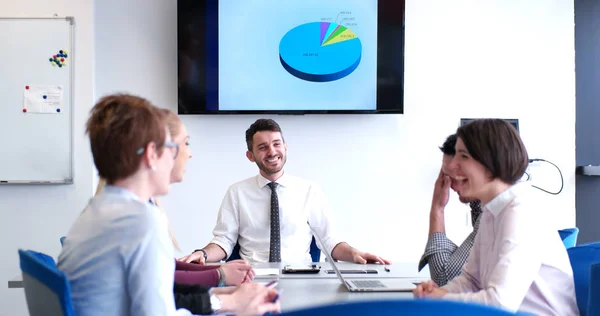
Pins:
x: 310, y: 290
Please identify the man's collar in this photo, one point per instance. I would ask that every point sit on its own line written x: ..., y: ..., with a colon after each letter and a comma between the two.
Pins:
x: 283, y: 181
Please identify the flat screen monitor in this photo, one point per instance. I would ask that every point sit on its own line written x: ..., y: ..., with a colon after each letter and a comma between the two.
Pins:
x: 290, y: 56
x: 513, y: 122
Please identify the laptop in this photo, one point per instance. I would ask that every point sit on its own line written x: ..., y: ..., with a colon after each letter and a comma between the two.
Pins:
x: 367, y: 285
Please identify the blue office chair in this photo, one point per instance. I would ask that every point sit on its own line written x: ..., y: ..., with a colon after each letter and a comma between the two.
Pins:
x: 47, y: 289
x: 594, y: 297
x: 401, y: 307
x: 582, y: 258
x: 569, y: 236
x: 315, y: 252
x: 62, y: 240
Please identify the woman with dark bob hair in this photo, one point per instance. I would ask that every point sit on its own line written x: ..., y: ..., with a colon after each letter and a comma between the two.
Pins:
x: 518, y: 262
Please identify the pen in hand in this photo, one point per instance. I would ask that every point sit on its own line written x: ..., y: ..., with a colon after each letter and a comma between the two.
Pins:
x: 277, y: 296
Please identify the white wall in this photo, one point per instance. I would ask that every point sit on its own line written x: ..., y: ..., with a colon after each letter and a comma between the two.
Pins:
x: 34, y: 217
x: 493, y: 58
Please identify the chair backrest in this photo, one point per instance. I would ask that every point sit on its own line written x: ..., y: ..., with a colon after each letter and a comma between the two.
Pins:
x: 235, y: 253
x: 569, y: 236
x: 594, y: 297
x: 315, y: 252
x: 582, y: 257
x: 47, y: 289
x: 401, y: 307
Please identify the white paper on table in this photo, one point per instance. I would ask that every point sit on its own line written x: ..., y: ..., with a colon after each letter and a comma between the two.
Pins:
x: 43, y: 99
x: 266, y: 271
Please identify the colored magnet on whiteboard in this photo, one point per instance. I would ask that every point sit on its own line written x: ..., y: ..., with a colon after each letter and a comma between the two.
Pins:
x: 64, y: 64
x: 27, y: 87
x: 58, y: 110
x: 24, y: 110
x: 44, y: 97
x: 59, y: 59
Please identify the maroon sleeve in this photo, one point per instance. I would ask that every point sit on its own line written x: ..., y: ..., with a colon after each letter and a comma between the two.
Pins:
x: 192, y: 273
x: 205, y: 278
x: 180, y: 265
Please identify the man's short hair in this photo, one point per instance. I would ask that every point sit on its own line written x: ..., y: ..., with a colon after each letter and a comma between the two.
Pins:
x: 259, y: 126
x: 448, y: 146
x: 496, y: 144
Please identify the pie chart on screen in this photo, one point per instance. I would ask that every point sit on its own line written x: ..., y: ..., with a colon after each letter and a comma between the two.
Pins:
x: 320, y: 51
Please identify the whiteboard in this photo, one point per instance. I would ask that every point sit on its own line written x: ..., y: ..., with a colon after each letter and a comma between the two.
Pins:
x: 36, y: 127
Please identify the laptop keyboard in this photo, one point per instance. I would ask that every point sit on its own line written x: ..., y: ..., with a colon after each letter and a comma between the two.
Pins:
x: 367, y: 283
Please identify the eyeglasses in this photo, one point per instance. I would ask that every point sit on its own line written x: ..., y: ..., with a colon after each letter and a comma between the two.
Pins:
x: 174, y: 145
x: 167, y: 144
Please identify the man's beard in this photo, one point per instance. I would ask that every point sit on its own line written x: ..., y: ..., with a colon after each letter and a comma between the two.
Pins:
x: 268, y: 170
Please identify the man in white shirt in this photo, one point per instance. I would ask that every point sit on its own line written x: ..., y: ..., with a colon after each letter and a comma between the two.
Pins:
x: 270, y: 215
